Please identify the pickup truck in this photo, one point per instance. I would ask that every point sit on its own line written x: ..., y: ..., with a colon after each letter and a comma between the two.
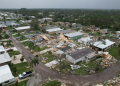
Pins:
x: 25, y: 74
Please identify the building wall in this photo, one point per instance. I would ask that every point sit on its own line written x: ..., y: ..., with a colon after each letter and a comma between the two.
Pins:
x: 80, y: 59
x: 70, y: 59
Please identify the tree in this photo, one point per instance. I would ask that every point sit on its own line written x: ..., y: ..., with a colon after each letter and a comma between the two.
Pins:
x: 17, y: 83
x: 6, y: 36
x: 14, y: 57
x: 60, y: 58
x: 22, y: 59
x: 34, y: 61
x: 34, y: 24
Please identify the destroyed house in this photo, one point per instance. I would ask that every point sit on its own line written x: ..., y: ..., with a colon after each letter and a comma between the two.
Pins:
x: 81, y: 55
x: 64, y: 48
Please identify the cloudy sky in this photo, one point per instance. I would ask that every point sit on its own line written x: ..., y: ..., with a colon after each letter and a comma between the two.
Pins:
x: 89, y: 4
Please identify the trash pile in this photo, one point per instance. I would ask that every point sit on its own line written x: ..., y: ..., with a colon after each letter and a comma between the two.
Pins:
x: 112, y: 82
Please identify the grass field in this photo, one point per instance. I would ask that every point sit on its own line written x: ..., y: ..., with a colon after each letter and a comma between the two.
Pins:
x: 12, y: 53
x: 114, y: 52
x: 52, y: 83
x: 21, y: 67
x: 23, y: 83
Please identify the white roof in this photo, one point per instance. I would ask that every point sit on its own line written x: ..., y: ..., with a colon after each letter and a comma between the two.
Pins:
x: 86, y: 39
x: 23, y: 28
x: 55, y: 29
x: 4, y: 58
x: 117, y: 31
x: 2, y: 25
x: 5, y: 73
x: 74, y: 34
x: 100, y: 44
x: 2, y: 49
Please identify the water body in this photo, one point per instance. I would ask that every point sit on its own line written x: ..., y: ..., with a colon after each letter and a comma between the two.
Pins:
x: 7, y: 22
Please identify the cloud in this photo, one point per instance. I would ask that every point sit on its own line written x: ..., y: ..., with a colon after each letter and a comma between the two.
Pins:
x: 96, y: 4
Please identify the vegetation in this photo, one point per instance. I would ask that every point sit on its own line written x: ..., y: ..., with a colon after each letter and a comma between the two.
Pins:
x: 23, y: 83
x: 12, y: 53
x: 19, y: 68
x: 22, y: 59
x: 85, y: 68
x: 31, y: 45
x: 114, y: 52
x: 54, y: 34
x: 48, y: 55
x: 76, y: 29
x: 52, y: 83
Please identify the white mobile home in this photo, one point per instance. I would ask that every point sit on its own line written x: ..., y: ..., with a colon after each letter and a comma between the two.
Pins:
x: 6, y: 76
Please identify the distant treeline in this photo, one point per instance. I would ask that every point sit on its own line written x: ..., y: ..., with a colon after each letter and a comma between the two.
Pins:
x: 99, y: 18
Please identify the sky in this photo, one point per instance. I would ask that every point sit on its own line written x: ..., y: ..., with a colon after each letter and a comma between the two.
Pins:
x: 82, y: 4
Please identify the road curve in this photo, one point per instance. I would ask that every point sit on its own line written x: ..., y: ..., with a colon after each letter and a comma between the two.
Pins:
x: 80, y: 80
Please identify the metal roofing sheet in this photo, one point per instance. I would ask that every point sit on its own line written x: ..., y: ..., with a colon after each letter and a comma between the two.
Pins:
x: 5, y: 73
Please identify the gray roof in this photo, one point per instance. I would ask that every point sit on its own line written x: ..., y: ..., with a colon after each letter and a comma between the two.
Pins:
x: 50, y: 27
x: 65, y: 31
x: 104, y: 29
x: 80, y: 53
x: 65, y: 48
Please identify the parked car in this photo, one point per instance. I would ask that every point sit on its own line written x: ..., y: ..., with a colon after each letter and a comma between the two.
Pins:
x: 25, y: 74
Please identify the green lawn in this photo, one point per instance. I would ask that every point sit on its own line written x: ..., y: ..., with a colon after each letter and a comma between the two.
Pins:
x: 44, y: 48
x: 114, y: 52
x: 26, y: 43
x: 23, y: 83
x: 49, y: 56
x: 17, y: 35
x: 12, y: 53
x: 54, y: 34
x: 96, y: 34
x: 76, y: 29
x: 21, y: 67
x: 52, y: 83
x: 22, y: 38
x: 36, y: 48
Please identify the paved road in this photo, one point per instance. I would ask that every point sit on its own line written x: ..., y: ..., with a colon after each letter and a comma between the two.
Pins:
x: 79, y: 80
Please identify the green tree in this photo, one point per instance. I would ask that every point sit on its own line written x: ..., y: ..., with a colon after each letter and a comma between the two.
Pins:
x: 22, y: 59
x: 34, y: 24
x: 17, y: 83
x: 34, y: 61
x: 14, y: 57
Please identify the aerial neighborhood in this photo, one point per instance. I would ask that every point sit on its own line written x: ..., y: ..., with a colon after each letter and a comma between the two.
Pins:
x: 51, y: 45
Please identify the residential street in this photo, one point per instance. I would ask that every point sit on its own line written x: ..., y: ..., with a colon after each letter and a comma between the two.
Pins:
x: 78, y: 80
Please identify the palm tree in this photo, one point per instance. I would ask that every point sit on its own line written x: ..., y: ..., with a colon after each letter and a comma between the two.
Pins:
x: 34, y: 61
